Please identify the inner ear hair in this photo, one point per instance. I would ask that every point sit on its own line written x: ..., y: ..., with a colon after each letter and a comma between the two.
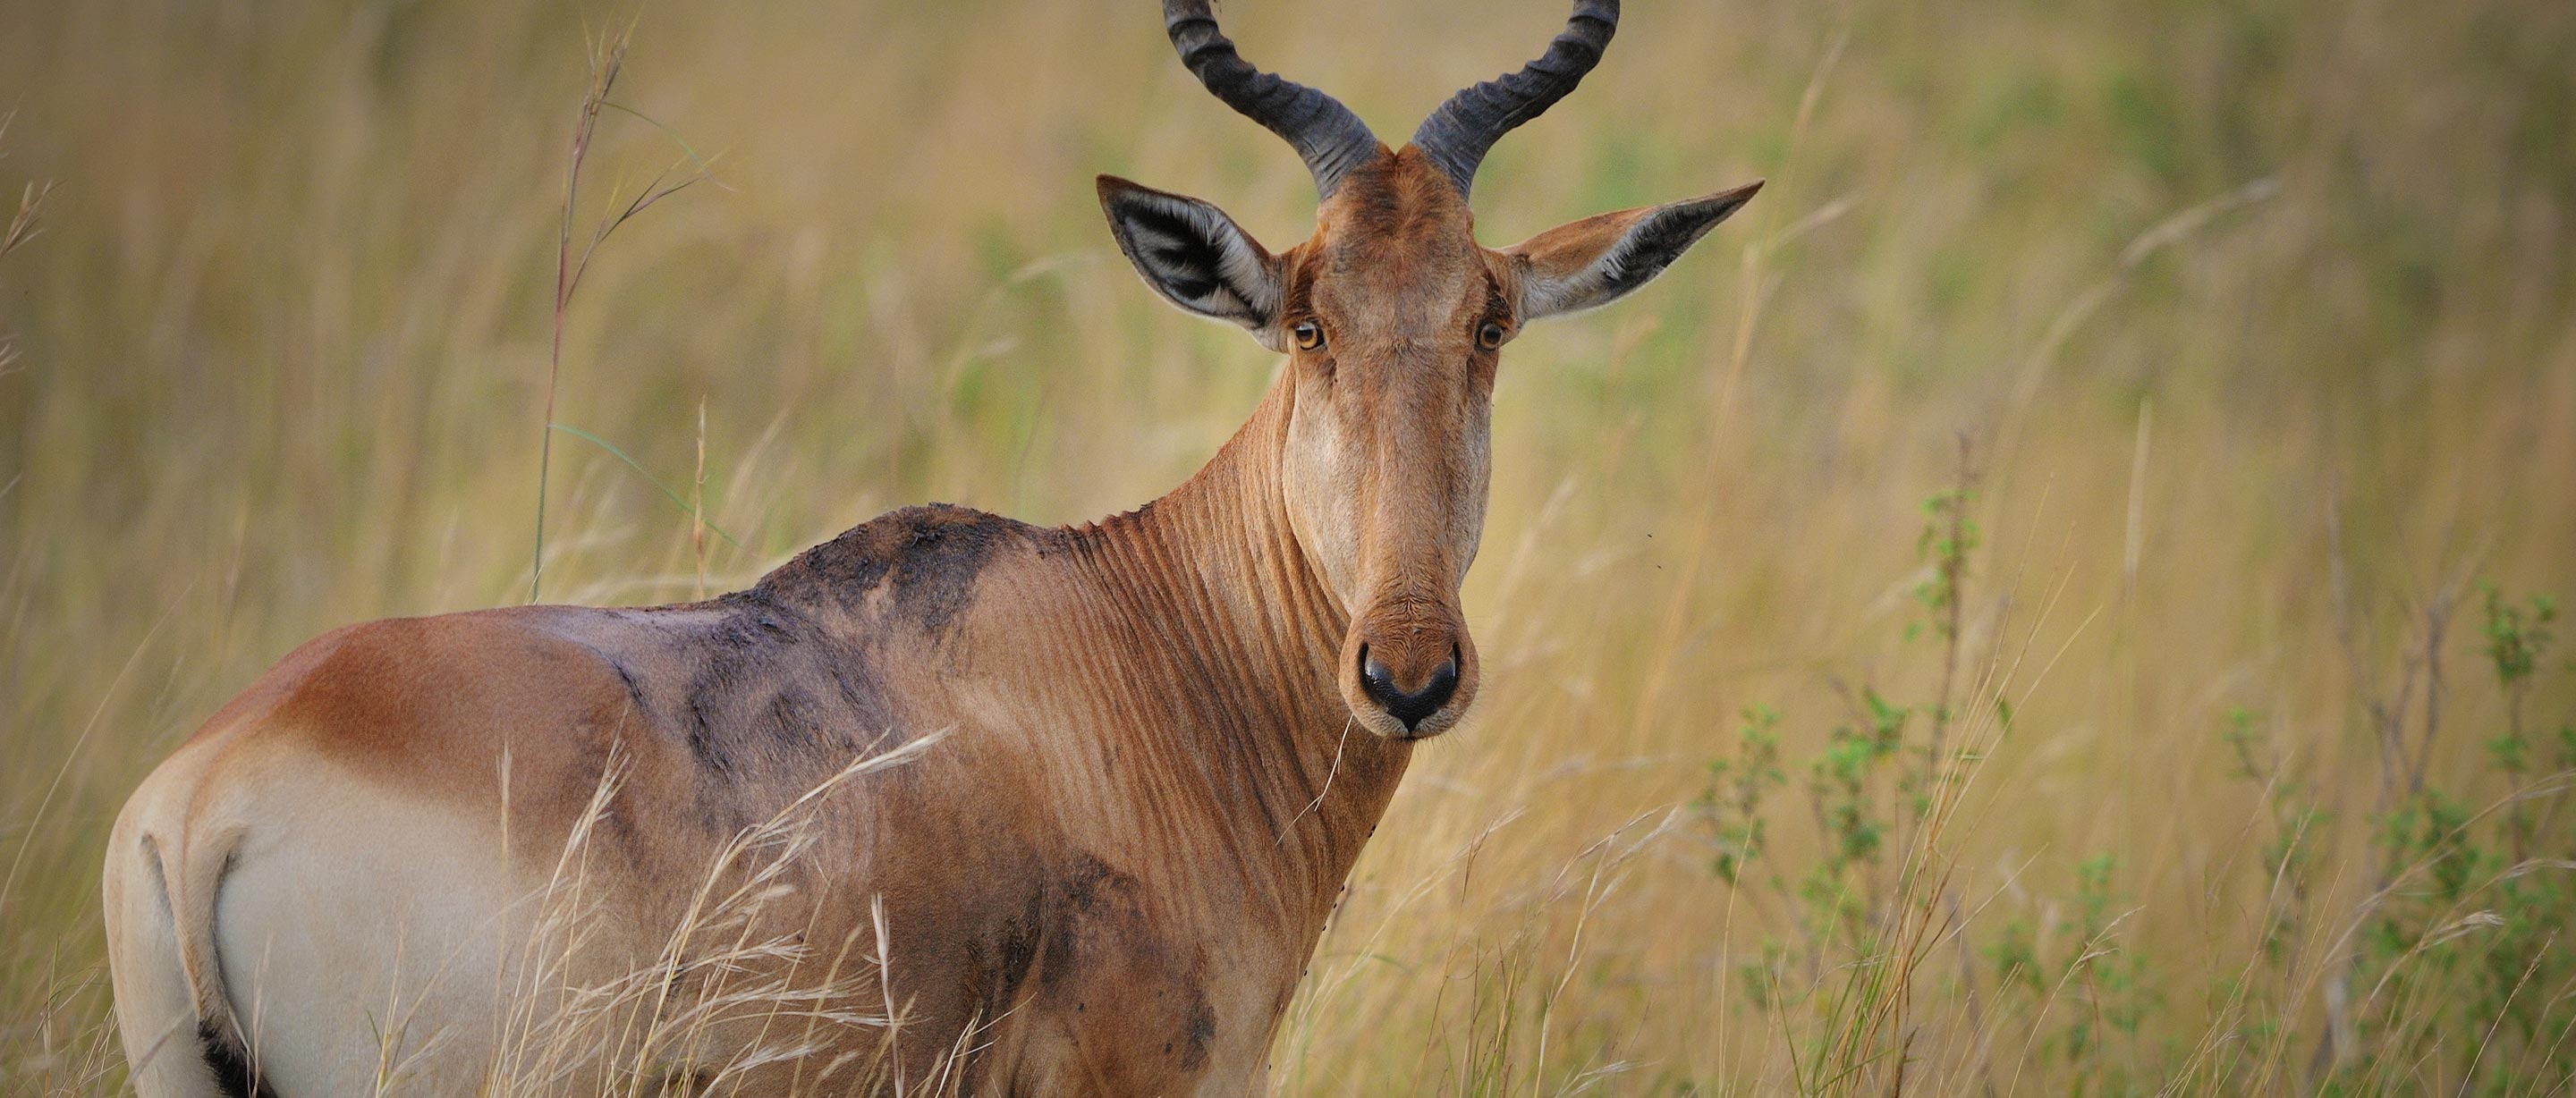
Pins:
x: 1193, y: 254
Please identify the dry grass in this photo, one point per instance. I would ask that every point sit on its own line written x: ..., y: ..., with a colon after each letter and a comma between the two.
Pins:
x: 2259, y: 321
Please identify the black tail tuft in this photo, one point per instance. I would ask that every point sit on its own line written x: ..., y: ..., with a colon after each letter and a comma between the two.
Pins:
x: 233, y: 1070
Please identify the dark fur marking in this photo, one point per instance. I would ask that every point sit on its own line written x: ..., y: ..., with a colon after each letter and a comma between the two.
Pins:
x: 792, y: 714
x: 760, y: 695
x: 1199, y: 1030
x: 606, y: 729
x: 925, y: 558
x: 1655, y: 243
x: 1019, y: 948
x: 702, y: 736
x: 1001, y: 963
x: 746, y: 706
x: 1091, y: 906
x: 233, y: 1072
x: 634, y: 689
x: 1381, y: 210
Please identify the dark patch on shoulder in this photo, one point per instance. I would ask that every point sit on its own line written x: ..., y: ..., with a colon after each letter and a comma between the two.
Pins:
x: 794, y: 714
x: 1090, y: 907
x: 1198, y: 1029
x: 634, y: 688
x: 233, y: 1072
x: 766, y: 701
x: 998, y: 964
x: 703, y: 742
x: 743, y: 667
x: 926, y: 558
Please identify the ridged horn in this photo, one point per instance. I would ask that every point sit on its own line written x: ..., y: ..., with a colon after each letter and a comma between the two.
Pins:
x: 1457, y: 136
x: 1325, y: 133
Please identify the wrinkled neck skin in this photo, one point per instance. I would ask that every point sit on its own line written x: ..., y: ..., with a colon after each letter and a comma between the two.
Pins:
x: 1141, y: 851
x: 1216, y: 585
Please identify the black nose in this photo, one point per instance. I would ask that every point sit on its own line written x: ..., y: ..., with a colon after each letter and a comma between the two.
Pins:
x: 1411, y: 707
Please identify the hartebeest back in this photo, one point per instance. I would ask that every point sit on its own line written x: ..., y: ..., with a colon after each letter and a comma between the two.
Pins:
x: 1138, y: 757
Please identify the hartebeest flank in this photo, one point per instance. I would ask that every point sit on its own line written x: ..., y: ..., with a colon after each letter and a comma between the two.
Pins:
x: 1108, y: 874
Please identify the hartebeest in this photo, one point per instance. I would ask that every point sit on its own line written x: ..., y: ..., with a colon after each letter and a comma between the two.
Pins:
x: 1105, y: 875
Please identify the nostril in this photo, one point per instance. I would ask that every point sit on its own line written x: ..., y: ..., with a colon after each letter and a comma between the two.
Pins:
x: 1379, y: 683
x: 1444, y: 681
x: 1408, y: 706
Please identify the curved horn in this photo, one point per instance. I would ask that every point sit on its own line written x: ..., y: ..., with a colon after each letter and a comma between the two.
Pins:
x: 1457, y: 135
x: 1326, y: 134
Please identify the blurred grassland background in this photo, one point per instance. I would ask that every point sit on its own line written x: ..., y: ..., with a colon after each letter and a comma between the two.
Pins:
x: 2257, y: 321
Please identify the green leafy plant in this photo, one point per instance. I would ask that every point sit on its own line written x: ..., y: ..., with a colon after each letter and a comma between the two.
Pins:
x: 2457, y: 968
x: 1862, y: 905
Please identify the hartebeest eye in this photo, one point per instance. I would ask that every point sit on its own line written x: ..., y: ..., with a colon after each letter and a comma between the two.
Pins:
x: 1490, y: 336
x: 1309, y: 335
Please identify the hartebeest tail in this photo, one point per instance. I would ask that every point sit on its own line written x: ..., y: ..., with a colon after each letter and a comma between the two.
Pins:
x: 1140, y: 755
x: 168, y: 970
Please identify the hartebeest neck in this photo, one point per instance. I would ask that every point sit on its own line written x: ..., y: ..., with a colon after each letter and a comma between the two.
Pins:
x: 1214, y: 577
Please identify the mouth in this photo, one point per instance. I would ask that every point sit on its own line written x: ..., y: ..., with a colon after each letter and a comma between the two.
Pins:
x: 1417, y: 735
x: 1386, y: 727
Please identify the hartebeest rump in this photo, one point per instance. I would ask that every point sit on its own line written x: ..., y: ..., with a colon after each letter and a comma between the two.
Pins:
x: 1106, y: 873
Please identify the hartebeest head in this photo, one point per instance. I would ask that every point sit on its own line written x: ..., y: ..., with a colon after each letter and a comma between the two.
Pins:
x: 1393, y: 317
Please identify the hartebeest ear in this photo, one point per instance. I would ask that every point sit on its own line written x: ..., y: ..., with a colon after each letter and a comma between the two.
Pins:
x: 1595, y: 261
x: 1194, y: 255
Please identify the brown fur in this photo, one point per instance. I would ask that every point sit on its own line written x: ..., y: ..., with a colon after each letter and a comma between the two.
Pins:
x: 1156, y: 769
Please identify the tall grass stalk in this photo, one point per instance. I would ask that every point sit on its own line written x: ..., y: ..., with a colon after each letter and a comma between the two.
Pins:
x: 607, y: 60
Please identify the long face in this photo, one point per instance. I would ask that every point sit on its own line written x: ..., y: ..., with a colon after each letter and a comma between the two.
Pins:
x: 1393, y: 319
